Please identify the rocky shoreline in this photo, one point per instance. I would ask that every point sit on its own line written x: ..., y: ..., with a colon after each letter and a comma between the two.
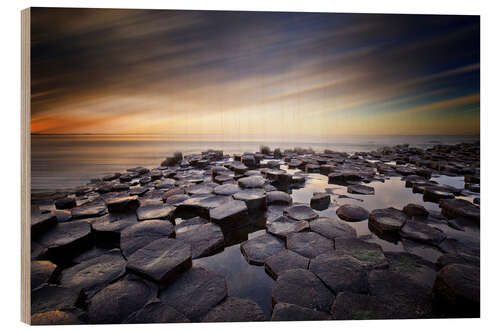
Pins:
x: 122, y: 248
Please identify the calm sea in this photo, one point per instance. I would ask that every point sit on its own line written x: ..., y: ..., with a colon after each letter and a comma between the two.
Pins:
x: 66, y: 161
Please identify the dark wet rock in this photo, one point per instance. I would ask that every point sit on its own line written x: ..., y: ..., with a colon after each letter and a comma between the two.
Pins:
x: 41, y: 223
x: 62, y: 215
x: 255, y: 199
x: 67, y: 240
x: 251, y: 182
x: 422, y: 232
x: 55, y: 317
x: 172, y: 160
x: 320, y: 201
x: 221, y: 179
x: 284, y: 261
x: 308, y: 244
x: 234, y: 309
x: 257, y: 250
x: 65, y: 203
x: 477, y: 200
x: 470, y: 178
x: 42, y: 271
x: 332, y: 228
x: 387, y: 219
x: 452, y: 208
x: 354, y: 306
x: 192, y: 221
x: 122, y: 203
x: 108, y: 229
x: 91, y: 254
x: 248, y: 160
x: 360, y: 189
x: 200, y: 189
x: 156, y: 312
x: 144, y: 233
x: 176, y: 199
x: 120, y: 187
x: 302, y: 288
x: 450, y: 245
x: 138, y: 190
x: 283, y: 226
x: 195, y: 293
x: 205, y: 238
x: 165, y: 184
x: 200, y: 206
x: 173, y: 191
x: 412, y: 210
x: 369, y: 254
x: 352, y: 213
x: 160, y: 260
x: 285, y: 179
x: 115, y: 303
x: 231, y: 212
x: 458, y: 258
x: 340, y: 272
x: 278, y: 198
x: 435, y: 194
x: 155, y: 211
x: 93, y: 275
x: 413, y: 267
x: 91, y: 209
x: 111, y: 177
x: 300, y: 212
x: 457, y: 290
x: 227, y: 189
x: 52, y: 297
x: 292, y: 312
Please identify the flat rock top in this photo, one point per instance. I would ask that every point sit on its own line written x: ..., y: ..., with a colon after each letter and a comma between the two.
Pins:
x: 302, y: 288
x: 161, y: 259
x: 157, y: 312
x: 452, y: 208
x: 308, y: 244
x: 352, y: 213
x: 51, y: 297
x: 154, y: 211
x: 94, y: 274
x: 300, y: 212
x: 234, y: 309
x: 278, y: 198
x: 412, y: 267
x: 144, y: 233
x: 293, y: 312
x: 227, y: 189
x: 283, y: 226
x: 251, y: 182
x: 114, y: 224
x: 370, y: 255
x: 387, y: 219
x: 250, y: 194
x: 349, y: 306
x: 65, y: 233
x: 284, y: 261
x: 41, y: 272
x: 258, y: 249
x: 195, y: 293
x: 204, y: 238
x: 228, y: 209
x: 89, y: 209
x: 332, y: 228
x: 199, y: 189
x: 422, y: 232
x: 115, y: 303
x: 361, y: 189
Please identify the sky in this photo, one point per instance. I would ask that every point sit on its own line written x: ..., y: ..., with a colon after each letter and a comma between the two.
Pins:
x: 252, y: 74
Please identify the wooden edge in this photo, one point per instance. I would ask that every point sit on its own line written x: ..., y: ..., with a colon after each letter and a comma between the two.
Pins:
x: 25, y: 166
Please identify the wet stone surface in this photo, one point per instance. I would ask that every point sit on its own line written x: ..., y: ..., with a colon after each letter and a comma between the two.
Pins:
x: 352, y: 213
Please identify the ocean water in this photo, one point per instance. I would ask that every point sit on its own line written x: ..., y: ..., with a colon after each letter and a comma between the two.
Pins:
x: 67, y: 161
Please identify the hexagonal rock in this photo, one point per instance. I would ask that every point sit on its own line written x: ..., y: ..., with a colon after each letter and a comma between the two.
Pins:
x: 412, y: 210
x: 108, y: 229
x: 156, y: 312
x: 422, y: 232
x: 300, y: 212
x: 115, y: 303
x: 176, y: 199
x: 138, y: 190
x: 320, y: 201
x: 165, y: 184
x: 413, y: 267
x: 233, y: 211
x: 90, y: 209
x: 160, y: 260
x: 352, y: 213
x: 457, y: 290
x: 361, y: 189
x: 308, y: 244
x: 387, y: 219
x: 227, y: 189
x: 453, y: 208
x: 122, y: 203
x: 41, y: 223
x: 292, y: 312
x: 195, y: 293
x: 257, y: 250
x: 251, y: 182
x: 278, y: 198
x: 283, y: 226
x: 332, y: 228
x: 255, y: 199
x: 67, y: 240
x: 205, y: 238
x: 435, y: 194
x: 199, y: 189
x: 284, y: 261
x: 144, y: 233
x: 234, y: 309
x: 302, y: 288
x: 458, y: 258
x: 370, y: 255
x: 340, y: 272
x: 155, y: 211
x: 52, y: 297
x: 55, y: 317
x: 42, y: 271
x: 65, y: 203
x: 349, y: 306
x: 93, y: 275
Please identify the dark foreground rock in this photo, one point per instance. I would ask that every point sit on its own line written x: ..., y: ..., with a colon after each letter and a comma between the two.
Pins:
x: 308, y: 244
x: 234, y: 309
x: 278, y: 198
x: 293, y: 312
x: 42, y: 271
x: 52, y: 297
x: 257, y: 250
x: 284, y: 261
x: 41, y: 223
x: 283, y: 226
x: 332, y: 228
x: 387, y: 219
x: 156, y: 312
x: 195, y: 293
x: 453, y: 208
x: 56, y: 317
x: 360, y: 189
x: 66, y: 240
x: 302, y: 288
x: 422, y: 232
x: 160, y: 260
x: 155, y: 211
x: 353, y: 306
x: 122, y: 203
x: 320, y: 201
x: 90, y: 209
x: 141, y: 234
x: 352, y: 213
x: 370, y: 255
x: 230, y: 213
x: 205, y: 238
x: 255, y: 199
x: 300, y: 212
